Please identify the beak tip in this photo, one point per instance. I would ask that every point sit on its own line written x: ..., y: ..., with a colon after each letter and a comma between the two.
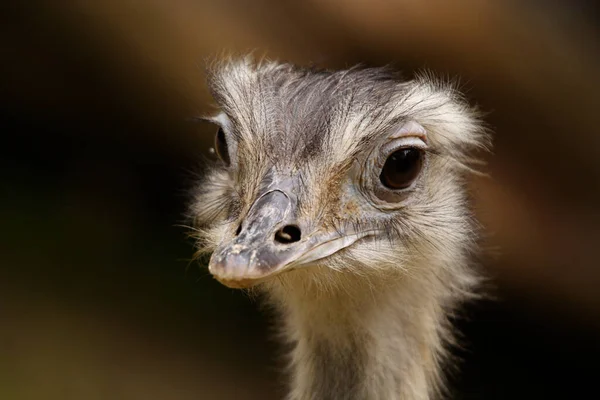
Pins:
x: 230, y: 275
x: 237, y: 283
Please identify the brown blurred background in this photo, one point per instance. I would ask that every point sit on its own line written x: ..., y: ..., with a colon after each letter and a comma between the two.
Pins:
x: 98, y: 299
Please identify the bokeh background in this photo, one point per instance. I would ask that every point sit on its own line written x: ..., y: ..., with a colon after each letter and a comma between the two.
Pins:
x: 98, y: 298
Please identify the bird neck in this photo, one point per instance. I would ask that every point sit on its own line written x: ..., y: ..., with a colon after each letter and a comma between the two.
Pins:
x: 361, y: 339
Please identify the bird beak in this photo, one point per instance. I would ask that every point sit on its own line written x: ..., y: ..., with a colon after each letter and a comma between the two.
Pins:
x: 263, y: 248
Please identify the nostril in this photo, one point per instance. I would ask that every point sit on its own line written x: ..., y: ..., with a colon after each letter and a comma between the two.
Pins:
x: 238, y: 230
x: 288, y: 234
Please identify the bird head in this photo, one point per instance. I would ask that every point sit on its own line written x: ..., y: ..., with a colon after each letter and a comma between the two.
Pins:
x: 352, y: 171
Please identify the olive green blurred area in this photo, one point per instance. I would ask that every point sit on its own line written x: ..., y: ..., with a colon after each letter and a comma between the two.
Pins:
x: 99, y: 296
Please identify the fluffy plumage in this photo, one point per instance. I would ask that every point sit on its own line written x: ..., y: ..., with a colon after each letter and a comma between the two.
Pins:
x: 369, y: 321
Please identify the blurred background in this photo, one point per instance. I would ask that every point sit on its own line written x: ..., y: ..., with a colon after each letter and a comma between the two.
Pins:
x: 98, y: 298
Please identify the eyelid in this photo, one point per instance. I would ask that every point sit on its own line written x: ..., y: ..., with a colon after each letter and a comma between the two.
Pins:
x: 411, y: 129
x: 410, y: 134
x: 223, y: 121
x: 407, y: 141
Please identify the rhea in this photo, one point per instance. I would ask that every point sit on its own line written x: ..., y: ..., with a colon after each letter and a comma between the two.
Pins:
x: 340, y: 195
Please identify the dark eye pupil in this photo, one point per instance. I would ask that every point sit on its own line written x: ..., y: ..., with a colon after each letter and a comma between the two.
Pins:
x: 221, y: 146
x: 401, y: 168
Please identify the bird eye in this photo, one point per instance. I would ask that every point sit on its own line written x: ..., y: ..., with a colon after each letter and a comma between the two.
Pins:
x: 401, y: 168
x: 221, y: 146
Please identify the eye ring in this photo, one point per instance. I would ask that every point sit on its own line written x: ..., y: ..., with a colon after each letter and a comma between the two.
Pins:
x: 221, y: 147
x: 378, y: 190
x: 401, y: 168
